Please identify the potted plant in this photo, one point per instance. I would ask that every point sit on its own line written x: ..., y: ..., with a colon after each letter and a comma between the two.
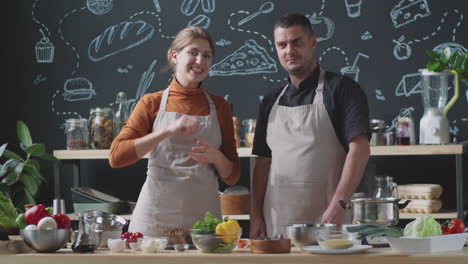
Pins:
x: 20, y: 177
x: 449, y: 60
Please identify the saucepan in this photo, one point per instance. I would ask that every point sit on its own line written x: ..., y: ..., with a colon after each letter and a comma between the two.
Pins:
x: 375, y: 210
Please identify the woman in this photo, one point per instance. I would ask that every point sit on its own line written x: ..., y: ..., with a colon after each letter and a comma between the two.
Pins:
x: 190, y: 140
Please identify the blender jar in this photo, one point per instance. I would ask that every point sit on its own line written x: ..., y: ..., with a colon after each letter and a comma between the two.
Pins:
x: 76, y: 130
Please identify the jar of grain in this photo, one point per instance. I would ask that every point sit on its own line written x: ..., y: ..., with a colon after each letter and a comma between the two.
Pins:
x: 101, y: 124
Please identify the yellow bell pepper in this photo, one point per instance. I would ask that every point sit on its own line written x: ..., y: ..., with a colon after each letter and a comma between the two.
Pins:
x: 229, y: 230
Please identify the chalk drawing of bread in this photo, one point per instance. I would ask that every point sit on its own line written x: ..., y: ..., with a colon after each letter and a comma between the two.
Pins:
x: 119, y: 38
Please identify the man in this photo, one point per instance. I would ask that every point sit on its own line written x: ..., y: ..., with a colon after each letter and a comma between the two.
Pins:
x: 311, y: 138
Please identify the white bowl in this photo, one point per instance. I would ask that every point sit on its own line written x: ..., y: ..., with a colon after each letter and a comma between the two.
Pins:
x: 116, y: 245
x: 425, y: 245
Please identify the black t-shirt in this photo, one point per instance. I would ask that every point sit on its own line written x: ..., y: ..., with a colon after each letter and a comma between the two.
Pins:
x: 345, y: 101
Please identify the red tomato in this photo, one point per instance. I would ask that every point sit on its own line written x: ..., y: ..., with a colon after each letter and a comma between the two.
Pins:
x: 126, y: 235
x: 63, y: 221
x: 456, y: 226
x: 137, y: 235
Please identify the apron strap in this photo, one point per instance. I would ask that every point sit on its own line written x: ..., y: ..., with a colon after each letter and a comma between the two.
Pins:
x: 319, y: 91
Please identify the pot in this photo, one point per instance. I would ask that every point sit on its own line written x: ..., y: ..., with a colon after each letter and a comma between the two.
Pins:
x: 383, y: 211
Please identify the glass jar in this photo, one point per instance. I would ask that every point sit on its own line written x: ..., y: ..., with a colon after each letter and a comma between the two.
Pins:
x: 101, y: 124
x: 76, y: 130
x: 249, y: 131
x: 120, y: 117
x: 403, y: 131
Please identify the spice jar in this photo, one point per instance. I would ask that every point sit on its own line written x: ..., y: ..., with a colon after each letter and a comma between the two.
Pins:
x: 403, y: 131
x: 101, y: 124
x: 76, y: 130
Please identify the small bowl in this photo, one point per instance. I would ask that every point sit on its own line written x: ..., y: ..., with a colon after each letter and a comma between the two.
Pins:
x: 335, y: 238
x: 181, y: 247
x: 153, y: 244
x: 214, y: 243
x: 116, y: 245
x: 109, y: 234
x: 304, y: 234
x: 46, y: 240
x: 270, y: 246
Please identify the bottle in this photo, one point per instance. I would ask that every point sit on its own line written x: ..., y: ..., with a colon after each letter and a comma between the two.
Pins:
x: 120, y: 116
x: 403, y: 131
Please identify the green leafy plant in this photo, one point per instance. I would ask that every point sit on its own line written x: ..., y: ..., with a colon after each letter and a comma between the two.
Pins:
x: 449, y: 60
x: 20, y: 177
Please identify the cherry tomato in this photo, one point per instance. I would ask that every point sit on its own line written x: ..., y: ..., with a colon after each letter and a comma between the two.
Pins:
x: 126, y: 235
x: 137, y: 235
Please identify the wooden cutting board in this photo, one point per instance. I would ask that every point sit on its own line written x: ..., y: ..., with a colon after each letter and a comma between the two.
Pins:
x: 14, y: 246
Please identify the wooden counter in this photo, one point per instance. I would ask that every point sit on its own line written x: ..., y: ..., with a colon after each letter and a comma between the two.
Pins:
x: 373, y: 256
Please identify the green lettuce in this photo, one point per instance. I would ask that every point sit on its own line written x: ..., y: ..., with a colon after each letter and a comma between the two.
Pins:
x: 208, y: 225
x: 8, y: 213
x: 423, y: 226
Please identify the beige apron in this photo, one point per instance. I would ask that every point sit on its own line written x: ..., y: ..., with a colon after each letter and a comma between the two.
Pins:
x: 178, y: 190
x: 307, y: 161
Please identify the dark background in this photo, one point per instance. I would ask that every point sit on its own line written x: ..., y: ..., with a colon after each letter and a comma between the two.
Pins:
x: 71, y: 27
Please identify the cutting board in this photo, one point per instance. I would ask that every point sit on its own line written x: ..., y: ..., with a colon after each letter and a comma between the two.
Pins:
x: 15, y: 246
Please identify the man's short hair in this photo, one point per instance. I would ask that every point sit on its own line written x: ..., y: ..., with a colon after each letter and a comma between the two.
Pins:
x: 290, y: 20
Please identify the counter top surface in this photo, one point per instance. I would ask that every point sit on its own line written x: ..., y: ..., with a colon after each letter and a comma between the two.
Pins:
x: 104, y: 256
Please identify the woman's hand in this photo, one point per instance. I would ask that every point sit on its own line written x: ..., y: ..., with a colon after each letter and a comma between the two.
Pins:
x: 185, y: 125
x: 204, y: 152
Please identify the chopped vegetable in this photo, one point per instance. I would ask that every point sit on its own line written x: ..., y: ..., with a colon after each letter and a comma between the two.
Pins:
x: 8, y: 213
x: 423, y: 226
x: 208, y: 225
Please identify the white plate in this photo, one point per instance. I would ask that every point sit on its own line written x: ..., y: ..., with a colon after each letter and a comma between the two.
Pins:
x: 353, y: 249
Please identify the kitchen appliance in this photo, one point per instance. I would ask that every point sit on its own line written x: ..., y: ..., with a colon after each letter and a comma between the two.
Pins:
x: 434, y: 125
x: 383, y: 211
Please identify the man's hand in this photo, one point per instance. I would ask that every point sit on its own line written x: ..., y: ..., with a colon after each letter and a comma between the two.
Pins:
x: 257, y: 227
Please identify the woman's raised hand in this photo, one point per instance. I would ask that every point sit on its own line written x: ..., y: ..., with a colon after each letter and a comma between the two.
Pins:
x: 185, y: 125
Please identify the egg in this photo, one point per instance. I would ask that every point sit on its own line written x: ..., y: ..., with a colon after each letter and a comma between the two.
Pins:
x: 47, y: 223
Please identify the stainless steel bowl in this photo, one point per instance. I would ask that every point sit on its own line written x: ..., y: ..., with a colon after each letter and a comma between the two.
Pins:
x: 304, y: 234
x: 46, y: 240
x: 105, y: 221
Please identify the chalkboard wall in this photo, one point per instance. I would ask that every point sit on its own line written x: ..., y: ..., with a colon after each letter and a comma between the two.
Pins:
x: 66, y: 57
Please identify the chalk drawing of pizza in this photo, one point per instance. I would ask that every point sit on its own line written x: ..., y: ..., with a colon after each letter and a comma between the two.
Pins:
x: 250, y: 58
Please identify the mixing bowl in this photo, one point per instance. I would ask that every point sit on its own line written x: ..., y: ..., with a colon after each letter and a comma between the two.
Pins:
x: 304, y: 234
x: 46, y: 240
x: 214, y: 243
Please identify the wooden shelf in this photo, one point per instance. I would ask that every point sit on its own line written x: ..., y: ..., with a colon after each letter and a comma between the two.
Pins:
x: 443, y: 214
x: 74, y: 217
x: 247, y: 152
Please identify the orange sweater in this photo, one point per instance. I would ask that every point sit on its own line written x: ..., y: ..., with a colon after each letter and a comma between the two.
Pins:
x: 181, y: 100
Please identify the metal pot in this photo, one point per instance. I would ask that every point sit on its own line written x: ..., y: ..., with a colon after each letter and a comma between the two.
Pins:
x: 375, y: 210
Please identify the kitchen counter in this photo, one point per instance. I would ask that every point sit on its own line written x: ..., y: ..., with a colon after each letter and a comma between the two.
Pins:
x: 244, y: 256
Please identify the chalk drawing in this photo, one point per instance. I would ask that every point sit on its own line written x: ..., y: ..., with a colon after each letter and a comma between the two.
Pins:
x: 78, y: 89
x: 408, y: 11
x: 226, y: 97
x: 99, y: 7
x: 159, y: 22
x: 119, y: 38
x: 145, y: 81
x: 44, y: 50
x: 466, y: 94
x: 250, y: 58
x: 366, y: 36
x: 353, y: 7
x: 222, y: 42
x: 379, y: 95
x: 265, y: 8
x: 323, y: 26
x: 189, y: 7
x: 353, y: 71
x: 402, y: 49
x: 409, y: 84
x: 77, y: 54
x: 260, y: 98
x: 208, y: 6
x: 404, y: 112
x: 39, y: 78
x: 200, y: 21
x: 157, y: 5
x: 452, y: 45
x: 35, y: 19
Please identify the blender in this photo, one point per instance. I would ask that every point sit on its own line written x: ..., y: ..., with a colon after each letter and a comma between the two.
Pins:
x: 434, y: 125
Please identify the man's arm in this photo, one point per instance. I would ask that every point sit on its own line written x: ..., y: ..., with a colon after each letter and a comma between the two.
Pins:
x: 260, y: 180
x: 353, y: 170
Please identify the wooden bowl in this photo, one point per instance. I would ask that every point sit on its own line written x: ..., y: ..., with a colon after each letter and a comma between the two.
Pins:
x: 270, y: 246
x: 233, y: 204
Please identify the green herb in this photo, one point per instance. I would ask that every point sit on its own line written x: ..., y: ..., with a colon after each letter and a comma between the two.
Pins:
x: 8, y: 212
x: 448, y: 60
x: 208, y: 225
x: 375, y: 230
x: 20, y: 177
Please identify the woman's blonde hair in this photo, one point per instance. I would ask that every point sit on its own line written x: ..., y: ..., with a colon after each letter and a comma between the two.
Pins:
x: 185, y: 37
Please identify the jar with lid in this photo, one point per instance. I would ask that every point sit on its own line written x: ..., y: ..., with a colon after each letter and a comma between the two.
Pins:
x: 403, y: 131
x: 101, y: 124
x: 77, y: 133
